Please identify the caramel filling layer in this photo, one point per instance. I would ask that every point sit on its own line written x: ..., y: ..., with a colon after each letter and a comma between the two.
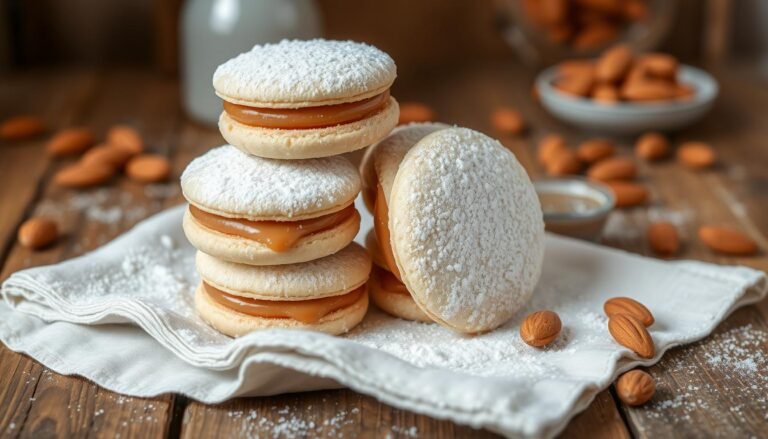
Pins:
x: 305, y: 311
x: 381, y: 227
x: 309, y: 117
x: 278, y: 236
x: 389, y: 283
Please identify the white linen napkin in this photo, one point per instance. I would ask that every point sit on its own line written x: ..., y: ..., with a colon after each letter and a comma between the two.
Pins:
x: 74, y: 318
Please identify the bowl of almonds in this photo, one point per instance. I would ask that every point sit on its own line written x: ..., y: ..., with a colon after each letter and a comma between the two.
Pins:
x: 625, y: 93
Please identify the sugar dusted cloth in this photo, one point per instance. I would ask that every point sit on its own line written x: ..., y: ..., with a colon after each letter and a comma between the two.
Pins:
x: 122, y: 316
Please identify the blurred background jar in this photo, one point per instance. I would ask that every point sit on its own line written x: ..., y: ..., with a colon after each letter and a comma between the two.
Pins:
x: 213, y: 31
x: 544, y: 32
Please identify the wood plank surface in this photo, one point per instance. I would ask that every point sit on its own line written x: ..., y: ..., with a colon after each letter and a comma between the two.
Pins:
x: 700, y: 393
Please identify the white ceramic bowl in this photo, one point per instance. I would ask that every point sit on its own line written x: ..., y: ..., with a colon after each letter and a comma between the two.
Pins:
x: 625, y: 117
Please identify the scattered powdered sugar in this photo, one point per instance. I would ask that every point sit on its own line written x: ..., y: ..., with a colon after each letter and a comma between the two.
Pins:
x: 738, y: 359
x: 471, y: 239
x: 226, y: 179
x: 300, y: 71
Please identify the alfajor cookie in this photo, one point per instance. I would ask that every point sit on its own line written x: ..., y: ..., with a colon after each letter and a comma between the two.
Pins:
x: 327, y: 294
x: 378, y: 170
x: 464, y: 229
x: 305, y: 99
x: 261, y: 211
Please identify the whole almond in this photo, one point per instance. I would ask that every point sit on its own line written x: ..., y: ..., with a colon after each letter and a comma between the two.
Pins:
x: 605, y: 94
x: 648, y: 90
x: 628, y: 194
x: 416, y: 112
x: 577, y: 67
x: 635, y: 387
x: 564, y: 162
x: 659, y: 65
x: 613, y: 64
x: 114, y: 156
x: 148, y: 168
x: 595, y: 34
x: 727, y: 241
x: 684, y: 92
x: 613, y: 168
x: 125, y: 137
x: 652, y: 146
x: 508, y: 121
x: 540, y: 328
x: 663, y: 238
x: 594, y: 150
x: 70, y: 141
x: 575, y: 84
x: 21, y: 127
x: 629, y: 306
x: 548, y: 148
x: 82, y: 175
x: 630, y: 333
x: 696, y: 155
x: 36, y: 233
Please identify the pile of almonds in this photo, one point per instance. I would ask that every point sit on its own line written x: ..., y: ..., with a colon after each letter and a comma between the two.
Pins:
x: 122, y: 151
x: 584, y: 24
x: 627, y: 323
x: 619, y: 75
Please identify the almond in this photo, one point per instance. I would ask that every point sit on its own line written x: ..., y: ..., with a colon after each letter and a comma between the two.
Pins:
x: 684, y: 92
x: 21, y: 127
x: 696, y: 155
x: 648, y: 90
x: 595, y: 35
x: 635, y: 387
x: 605, y: 94
x: 148, y: 168
x: 575, y: 84
x: 727, y: 241
x: 508, y: 120
x: 594, y: 150
x: 112, y: 155
x: 564, y: 162
x: 416, y: 112
x: 549, y: 147
x: 628, y: 194
x: 578, y: 67
x: 613, y: 64
x: 540, y: 328
x: 614, y: 168
x: 652, y: 146
x: 553, y: 11
x: 36, y: 233
x: 626, y: 305
x: 630, y: 333
x: 662, y: 236
x: 659, y: 65
x: 125, y: 137
x: 70, y: 141
x: 82, y: 175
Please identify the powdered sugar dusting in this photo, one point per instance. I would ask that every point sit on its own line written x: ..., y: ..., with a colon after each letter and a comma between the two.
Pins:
x: 226, y: 179
x: 471, y: 239
x: 300, y: 71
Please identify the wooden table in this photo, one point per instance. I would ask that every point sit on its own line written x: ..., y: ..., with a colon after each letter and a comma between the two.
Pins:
x: 699, y: 394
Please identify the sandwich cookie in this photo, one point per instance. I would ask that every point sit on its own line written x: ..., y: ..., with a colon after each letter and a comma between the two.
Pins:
x: 465, y: 229
x: 378, y: 170
x: 305, y: 99
x: 260, y: 211
x: 326, y: 295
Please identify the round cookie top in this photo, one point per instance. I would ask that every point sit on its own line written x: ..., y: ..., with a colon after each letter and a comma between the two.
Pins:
x: 467, y: 229
x: 228, y: 182
x: 296, y: 73
x: 382, y: 160
x: 332, y: 275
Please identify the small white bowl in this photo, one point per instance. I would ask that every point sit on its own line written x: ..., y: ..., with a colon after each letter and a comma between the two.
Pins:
x: 626, y: 117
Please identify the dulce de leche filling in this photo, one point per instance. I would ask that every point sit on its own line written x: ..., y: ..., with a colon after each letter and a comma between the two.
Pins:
x: 308, y: 117
x: 305, y: 311
x: 389, y: 283
x: 381, y: 227
x: 278, y: 236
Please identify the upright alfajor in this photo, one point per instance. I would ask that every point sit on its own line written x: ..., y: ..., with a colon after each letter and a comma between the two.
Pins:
x: 306, y: 99
x: 458, y: 226
x: 258, y: 211
x: 326, y: 295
